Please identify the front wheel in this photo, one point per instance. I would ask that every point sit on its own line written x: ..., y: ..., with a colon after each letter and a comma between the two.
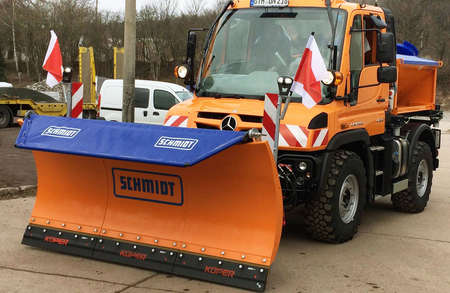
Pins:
x: 420, y: 177
x: 335, y: 215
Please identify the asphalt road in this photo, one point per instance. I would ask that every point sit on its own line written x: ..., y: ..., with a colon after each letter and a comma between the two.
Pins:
x: 393, y: 252
x: 16, y: 165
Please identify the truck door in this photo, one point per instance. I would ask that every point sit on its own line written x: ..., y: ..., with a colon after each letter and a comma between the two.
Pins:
x: 372, y: 97
x: 163, y: 100
x: 141, y: 110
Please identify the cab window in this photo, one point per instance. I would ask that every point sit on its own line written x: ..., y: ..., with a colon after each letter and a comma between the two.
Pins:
x: 164, y: 100
x: 141, y: 97
x: 370, y: 41
x: 356, y: 49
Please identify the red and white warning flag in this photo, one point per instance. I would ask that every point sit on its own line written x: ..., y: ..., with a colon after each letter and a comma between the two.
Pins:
x: 77, y: 100
x: 53, y: 62
x: 311, y: 71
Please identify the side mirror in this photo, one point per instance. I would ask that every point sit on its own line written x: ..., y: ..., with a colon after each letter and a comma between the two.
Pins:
x: 190, y: 58
x: 386, y: 48
x: 387, y: 74
x: 378, y: 22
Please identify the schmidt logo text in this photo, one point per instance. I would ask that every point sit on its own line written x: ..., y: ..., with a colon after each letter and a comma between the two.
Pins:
x: 61, y: 132
x: 148, y: 186
x: 184, y: 144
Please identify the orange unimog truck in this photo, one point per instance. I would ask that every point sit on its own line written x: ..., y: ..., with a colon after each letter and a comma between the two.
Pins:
x: 209, y: 204
x: 375, y: 132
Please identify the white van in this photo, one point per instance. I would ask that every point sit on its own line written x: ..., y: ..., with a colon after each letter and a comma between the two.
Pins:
x: 152, y: 100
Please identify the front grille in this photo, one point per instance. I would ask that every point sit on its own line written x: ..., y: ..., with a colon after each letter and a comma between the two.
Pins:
x: 251, y: 119
x: 211, y: 115
x: 221, y: 116
x: 206, y: 126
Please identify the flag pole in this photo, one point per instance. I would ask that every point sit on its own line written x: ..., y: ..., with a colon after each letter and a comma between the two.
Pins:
x: 286, y: 105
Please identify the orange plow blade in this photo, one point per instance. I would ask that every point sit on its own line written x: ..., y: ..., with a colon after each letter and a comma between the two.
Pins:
x: 218, y: 219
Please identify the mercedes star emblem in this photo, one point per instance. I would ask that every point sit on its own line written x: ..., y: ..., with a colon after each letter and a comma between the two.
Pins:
x: 229, y: 123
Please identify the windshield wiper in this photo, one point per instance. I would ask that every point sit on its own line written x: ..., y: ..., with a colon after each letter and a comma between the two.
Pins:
x: 226, y: 20
x: 208, y: 38
x: 333, y: 47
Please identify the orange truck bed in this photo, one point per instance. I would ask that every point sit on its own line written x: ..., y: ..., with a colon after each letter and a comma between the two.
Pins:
x: 416, y: 86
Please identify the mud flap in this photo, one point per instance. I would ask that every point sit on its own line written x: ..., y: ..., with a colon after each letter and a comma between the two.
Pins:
x: 192, y: 202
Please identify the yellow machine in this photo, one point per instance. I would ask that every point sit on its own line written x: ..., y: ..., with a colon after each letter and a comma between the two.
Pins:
x: 118, y: 62
x: 88, y: 79
x: 16, y: 102
x: 207, y: 201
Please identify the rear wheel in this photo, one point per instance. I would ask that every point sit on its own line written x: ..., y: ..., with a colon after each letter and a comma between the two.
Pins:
x: 5, y: 116
x: 420, y: 177
x: 335, y: 215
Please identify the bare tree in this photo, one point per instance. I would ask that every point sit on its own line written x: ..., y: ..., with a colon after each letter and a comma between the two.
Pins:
x: 13, y: 31
x: 194, y: 7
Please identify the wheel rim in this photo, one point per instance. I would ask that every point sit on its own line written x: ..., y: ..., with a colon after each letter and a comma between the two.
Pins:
x: 422, y: 178
x: 348, y: 199
x: 2, y: 117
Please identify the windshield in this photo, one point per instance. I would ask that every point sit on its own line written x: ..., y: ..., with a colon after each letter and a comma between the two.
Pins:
x: 184, y: 95
x: 253, y: 47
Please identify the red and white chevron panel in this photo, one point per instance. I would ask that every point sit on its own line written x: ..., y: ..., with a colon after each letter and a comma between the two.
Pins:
x: 176, y: 121
x: 320, y: 138
x: 293, y: 136
x: 77, y: 100
x: 270, y: 118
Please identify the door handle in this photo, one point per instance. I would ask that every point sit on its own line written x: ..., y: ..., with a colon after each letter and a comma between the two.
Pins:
x: 381, y: 100
x: 155, y: 113
x: 145, y: 113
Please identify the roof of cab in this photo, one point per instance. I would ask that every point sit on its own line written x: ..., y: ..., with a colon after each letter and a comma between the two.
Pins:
x: 349, y: 6
x: 149, y: 83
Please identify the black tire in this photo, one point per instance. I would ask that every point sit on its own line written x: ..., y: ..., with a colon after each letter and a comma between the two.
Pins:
x: 5, y: 116
x: 323, y: 218
x: 90, y: 115
x: 415, y: 199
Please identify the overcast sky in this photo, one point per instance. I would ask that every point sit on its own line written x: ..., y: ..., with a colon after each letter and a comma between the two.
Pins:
x: 119, y: 5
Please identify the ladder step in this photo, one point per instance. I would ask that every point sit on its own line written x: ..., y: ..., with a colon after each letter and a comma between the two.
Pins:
x: 379, y: 173
x: 377, y: 148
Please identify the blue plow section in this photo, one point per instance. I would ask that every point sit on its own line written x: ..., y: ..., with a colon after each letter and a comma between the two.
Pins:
x: 152, y: 144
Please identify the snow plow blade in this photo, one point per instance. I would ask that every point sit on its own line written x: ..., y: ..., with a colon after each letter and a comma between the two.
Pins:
x: 198, y: 203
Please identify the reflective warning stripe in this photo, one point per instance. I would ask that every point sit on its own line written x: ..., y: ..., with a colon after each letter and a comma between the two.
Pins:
x: 320, y: 138
x: 177, y: 121
x: 269, y: 119
x: 293, y: 136
x: 77, y: 100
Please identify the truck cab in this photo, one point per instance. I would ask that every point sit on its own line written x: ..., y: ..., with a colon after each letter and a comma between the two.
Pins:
x: 376, y: 117
x: 253, y: 45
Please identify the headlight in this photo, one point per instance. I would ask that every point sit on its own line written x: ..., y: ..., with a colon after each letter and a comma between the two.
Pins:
x: 181, y: 71
x: 334, y: 78
x: 303, y: 166
x: 330, y: 79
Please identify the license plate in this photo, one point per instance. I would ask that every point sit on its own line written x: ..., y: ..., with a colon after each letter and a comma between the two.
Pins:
x: 269, y: 3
